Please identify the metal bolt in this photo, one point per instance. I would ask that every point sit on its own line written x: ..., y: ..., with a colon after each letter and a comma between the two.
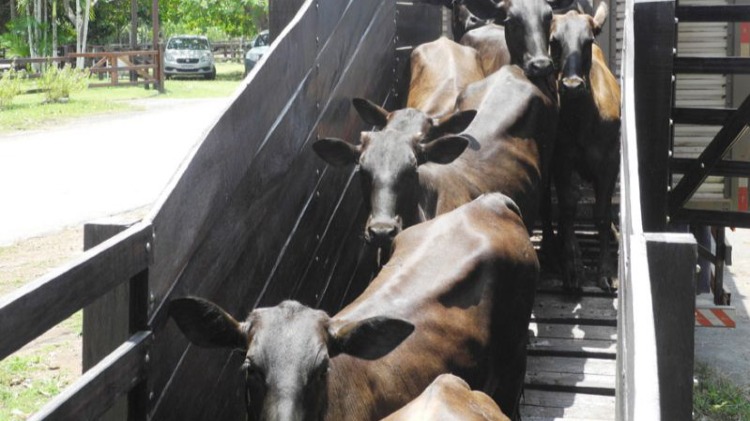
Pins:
x: 668, y: 219
x: 676, y: 21
x: 674, y: 51
x: 317, y: 39
x: 671, y: 122
x: 317, y: 193
x: 151, y: 395
x: 697, y: 268
x: 669, y: 153
x: 669, y: 188
x: 148, y: 247
x: 148, y: 358
x: 674, y: 78
x: 703, y: 165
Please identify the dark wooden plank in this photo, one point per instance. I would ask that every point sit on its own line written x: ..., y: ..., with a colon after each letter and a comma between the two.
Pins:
x: 573, y: 365
x: 32, y: 309
x: 586, y: 375
x: 280, y: 13
x: 672, y: 260
x: 723, y: 168
x: 593, y: 348
x: 97, y: 389
x: 703, y: 116
x: 654, y: 38
x: 574, y: 331
x: 712, y: 65
x: 571, y: 308
x: 546, y: 405
x: 719, y: 13
x: 708, y: 217
x: 105, y: 321
x: 253, y: 227
x: 418, y: 23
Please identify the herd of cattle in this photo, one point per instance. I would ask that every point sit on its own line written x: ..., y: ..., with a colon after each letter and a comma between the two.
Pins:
x: 454, y: 182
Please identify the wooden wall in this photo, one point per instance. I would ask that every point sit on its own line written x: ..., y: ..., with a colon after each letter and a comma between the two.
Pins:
x: 255, y: 217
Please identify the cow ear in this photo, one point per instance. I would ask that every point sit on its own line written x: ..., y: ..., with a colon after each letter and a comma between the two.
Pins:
x: 599, y: 18
x: 443, y: 150
x: 336, y: 151
x: 369, y: 339
x: 371, y: 113
x: 207, y: 325
x: 452, y: 124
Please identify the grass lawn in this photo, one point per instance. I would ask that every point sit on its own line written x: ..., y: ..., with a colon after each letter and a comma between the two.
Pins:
x: 716, y: 398
x: 29, y: 111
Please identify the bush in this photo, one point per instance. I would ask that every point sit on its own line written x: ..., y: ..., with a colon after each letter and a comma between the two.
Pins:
x: 10, y: 86
x: 58, y: 84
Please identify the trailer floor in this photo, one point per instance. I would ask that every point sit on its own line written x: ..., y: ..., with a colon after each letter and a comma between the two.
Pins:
x: 571, y: 368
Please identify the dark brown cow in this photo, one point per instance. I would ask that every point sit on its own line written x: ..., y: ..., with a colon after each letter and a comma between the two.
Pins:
x: 588, y: 140
x: 449, y: 398
x: 402, y: 180
x: 440, y: 70
x: 457, y: 293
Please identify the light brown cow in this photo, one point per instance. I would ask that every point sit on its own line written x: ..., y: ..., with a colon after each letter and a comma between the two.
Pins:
x: 489, y: 41
x: 440, y: 70
x: 455, y: 297
x: 449, y: 398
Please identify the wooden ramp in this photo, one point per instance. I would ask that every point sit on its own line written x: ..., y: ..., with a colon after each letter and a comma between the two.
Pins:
x: 571, y: 368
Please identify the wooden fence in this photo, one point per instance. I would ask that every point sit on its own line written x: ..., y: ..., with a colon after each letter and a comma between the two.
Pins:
x: 254, y: 217
x: 657, y: 270
x: 139, y: 67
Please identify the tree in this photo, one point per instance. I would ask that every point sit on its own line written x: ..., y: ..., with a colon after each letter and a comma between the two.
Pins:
x: 233, y: 17
x: 80, y: 20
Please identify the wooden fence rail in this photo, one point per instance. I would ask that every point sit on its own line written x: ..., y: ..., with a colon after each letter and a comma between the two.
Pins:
x: 34, y: 308
x: 143, y: 66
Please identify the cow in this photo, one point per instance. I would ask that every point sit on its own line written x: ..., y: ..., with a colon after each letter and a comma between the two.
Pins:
x: 489, y: 41
x: 403, y: 168
x: 449, y: 398
x: 455, y: 297
x: 440, y: 70
x: 588, y: 138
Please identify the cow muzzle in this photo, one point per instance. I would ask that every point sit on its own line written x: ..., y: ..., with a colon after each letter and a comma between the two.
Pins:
x: 573, y: 85
x: 381, y: 233
x: 539, y: 67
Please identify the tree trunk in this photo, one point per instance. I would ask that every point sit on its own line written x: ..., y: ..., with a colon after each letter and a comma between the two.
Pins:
x: 54, y: 28
x: 13, y: 11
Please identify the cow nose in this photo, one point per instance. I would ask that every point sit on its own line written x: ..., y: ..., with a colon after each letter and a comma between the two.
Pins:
x: 381, y: 233
x: 573, y: 84
x: 539, y: 66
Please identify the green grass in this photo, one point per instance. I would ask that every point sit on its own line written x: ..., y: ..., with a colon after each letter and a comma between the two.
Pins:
x: 716, y: 398
x: 29, y: 111
x: 22, y: 391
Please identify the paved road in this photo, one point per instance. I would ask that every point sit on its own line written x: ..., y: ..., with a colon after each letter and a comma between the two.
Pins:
x: 59, y: 177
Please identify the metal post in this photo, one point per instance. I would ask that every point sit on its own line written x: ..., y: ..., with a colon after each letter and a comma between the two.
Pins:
x: 158, y: 75
x: 139, y: 295
x: 133, y: 33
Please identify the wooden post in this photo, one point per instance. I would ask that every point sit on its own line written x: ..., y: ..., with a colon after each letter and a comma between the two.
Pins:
x: 158, y: 74
x: 133, y: 33
x: 106, y: 321
x: 654, y: 28
x: 280, y: 13
x: 672, y: 262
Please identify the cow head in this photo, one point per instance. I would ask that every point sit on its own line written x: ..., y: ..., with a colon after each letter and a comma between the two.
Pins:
x: 389, y: 158
x: 287, y: 350
x: 571, y: 38
x: 527, y: 26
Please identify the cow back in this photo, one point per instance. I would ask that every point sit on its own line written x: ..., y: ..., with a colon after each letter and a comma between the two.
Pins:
x: 489, y: 41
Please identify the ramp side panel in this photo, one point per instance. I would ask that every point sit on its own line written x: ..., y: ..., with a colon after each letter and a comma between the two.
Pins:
x: 248, y: 219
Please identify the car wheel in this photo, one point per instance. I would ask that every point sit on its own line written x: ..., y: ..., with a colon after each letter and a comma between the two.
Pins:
x: 212, y: 75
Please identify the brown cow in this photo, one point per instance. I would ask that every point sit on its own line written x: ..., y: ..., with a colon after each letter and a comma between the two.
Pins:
x: 588, y: 139
x: 400, y: 169
x: 457, y: 292
x: 440, y: 70
x: 449, y: 398
x: 489, y: 41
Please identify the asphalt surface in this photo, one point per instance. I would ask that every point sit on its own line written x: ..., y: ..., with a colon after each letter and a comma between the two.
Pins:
x: 97, y: 166
x: 728, y: 350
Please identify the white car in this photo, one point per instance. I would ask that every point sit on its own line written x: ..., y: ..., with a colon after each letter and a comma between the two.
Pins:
x: 189, y: 55
x: 259, y: 47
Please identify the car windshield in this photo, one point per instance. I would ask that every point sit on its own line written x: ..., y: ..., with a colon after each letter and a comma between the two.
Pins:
x: 187, y: 44
x: 261, y: 40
